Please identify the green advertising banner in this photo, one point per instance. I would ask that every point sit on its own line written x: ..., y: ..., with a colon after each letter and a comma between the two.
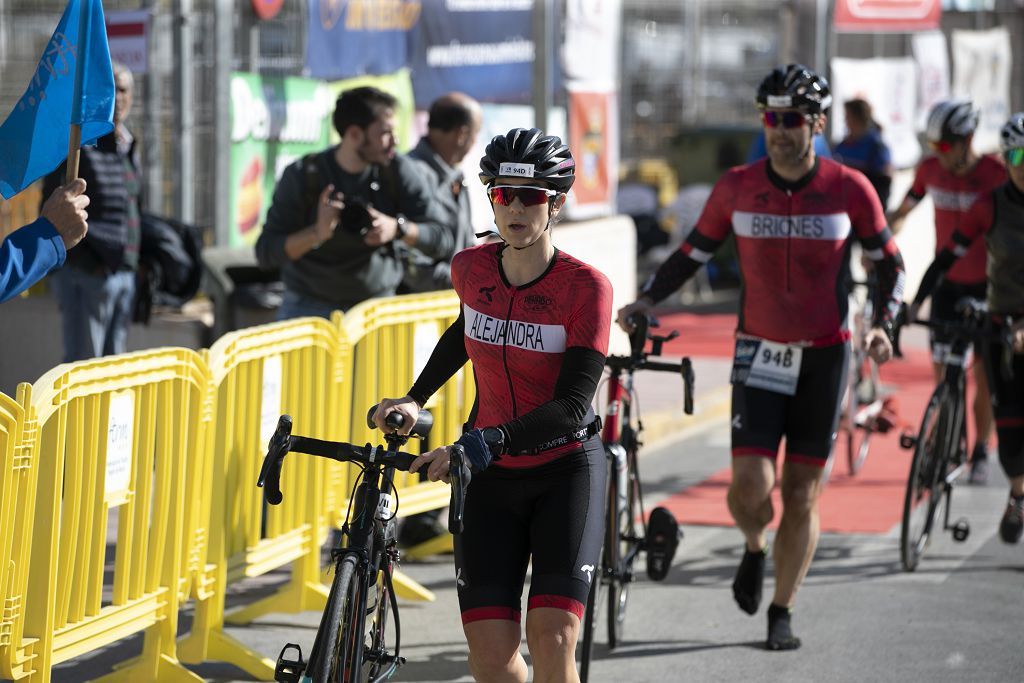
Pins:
x: 274, y: 121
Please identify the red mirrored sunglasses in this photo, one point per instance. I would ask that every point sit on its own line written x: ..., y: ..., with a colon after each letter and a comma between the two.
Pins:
x: 943, y: 146
x: 786, y: 119
x: 527, y: 194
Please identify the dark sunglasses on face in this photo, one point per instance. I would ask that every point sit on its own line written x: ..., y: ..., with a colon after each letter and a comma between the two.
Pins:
x: 786, y: 119
x: 527, y: 194
x: 1014, y: 157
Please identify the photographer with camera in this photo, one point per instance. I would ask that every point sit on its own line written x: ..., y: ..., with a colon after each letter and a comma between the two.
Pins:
x: 342, y: 219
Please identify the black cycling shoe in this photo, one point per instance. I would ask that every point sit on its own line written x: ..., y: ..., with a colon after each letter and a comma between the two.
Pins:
x: 780, y: 633
x: 1011, y: 527
x: 420, y: 528
x: 746, y: 587
x: 979, y: 466
x: 663, y: 534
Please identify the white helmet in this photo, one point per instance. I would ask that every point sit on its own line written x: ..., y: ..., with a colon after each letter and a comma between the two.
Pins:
x: 1012, y: 134
x: 951, y: 119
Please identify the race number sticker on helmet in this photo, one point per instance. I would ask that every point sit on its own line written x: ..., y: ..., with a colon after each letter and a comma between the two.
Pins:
x: 516, y: 170
x: 780, y: 101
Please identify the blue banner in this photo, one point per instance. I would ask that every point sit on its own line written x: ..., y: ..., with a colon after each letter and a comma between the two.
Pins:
x: 34, y: 138
x: 358, y: 37
x: 480, y: 47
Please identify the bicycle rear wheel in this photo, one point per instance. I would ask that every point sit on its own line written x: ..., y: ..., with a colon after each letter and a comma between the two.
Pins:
x: 926, y: 483
x: 622, y: 545
x: 340, y: 654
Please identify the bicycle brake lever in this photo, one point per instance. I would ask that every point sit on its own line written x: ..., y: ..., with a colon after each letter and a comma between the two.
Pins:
x: 460, y: 475
x: 270, y: 474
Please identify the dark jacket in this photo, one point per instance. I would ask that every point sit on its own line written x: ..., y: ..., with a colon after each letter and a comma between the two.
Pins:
x: 344, y: 270
x: 113, y: 184
x: 425, y: 273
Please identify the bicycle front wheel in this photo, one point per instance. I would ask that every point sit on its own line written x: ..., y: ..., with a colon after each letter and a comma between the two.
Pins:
x: 623, y: 537
x: 341, y: 652
x: 925, y: 485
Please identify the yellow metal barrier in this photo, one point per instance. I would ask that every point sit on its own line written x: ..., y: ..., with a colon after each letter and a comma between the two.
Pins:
x: 258, y: 374
x: 392, y: 340
x: 17, y: 491
x: 113, y: 440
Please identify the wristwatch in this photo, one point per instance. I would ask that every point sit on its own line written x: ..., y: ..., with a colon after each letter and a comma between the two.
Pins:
x: 402, y: 230
x: 495, y: 440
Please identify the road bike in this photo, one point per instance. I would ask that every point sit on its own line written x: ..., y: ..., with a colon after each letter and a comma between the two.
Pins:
x: 352, y: 641
x: 940, y: 447
x: 863, y: 401
x: 626, y: 532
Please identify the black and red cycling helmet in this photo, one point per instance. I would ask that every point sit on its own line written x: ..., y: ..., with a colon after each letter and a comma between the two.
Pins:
x: 794, y: 86
x: 528, y: 153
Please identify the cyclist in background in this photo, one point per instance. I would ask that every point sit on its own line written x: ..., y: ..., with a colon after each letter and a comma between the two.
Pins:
x: 954, y: 177
x: 794, y: 216
x: 535, y: 322
x: 999, y: 216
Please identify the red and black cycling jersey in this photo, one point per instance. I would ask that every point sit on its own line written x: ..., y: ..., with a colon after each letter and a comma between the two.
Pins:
x: 538, y: 349
x: 953, y: 196
x: 793, y: 247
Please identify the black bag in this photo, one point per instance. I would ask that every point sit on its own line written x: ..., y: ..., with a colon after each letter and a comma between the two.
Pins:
x: 170, y: 269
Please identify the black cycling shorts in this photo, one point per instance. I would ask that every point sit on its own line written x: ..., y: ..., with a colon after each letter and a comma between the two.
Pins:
x: 1007, y: 407
x: 552, y: 514
x: 944, y: 302
x: 808, y: 419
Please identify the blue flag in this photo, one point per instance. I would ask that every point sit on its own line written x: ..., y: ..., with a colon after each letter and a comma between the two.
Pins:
x: 34, y: 138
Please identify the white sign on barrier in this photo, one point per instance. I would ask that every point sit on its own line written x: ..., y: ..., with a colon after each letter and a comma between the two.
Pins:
x: 120, y: 438
x: 270, y: 403
x: 424, y: 339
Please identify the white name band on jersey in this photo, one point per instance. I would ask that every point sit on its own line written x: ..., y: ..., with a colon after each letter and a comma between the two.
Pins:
x: 524, y: 335
x: 833, y: 226
x: 948, y: 200
x: 515, y: 170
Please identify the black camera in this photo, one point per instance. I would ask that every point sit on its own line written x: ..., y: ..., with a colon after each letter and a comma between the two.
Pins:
x: 355, y: 219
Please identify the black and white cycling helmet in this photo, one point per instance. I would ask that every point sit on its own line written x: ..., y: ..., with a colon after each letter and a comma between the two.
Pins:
x: 1012, y: 134
x: 528, y: 153
x: 794, y: 86
x: 951, y: 119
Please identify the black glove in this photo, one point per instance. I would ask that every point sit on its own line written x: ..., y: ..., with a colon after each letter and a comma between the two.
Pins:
x: 480, y: 450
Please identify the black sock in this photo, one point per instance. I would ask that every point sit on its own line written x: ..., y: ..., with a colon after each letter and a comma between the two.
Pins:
x: 780, y: 633
x: 746, y: 587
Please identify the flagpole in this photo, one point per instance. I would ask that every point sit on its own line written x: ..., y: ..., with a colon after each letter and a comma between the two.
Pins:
x: 75, y: 138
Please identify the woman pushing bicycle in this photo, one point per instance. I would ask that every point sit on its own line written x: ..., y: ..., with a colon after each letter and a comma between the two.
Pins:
x: 535, y: 322
x: 999, y: 216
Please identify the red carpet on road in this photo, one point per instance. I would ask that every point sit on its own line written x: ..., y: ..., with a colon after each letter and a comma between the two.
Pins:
x: 869, y: 502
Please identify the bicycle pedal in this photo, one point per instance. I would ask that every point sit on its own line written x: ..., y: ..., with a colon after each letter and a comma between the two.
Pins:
x: 289, y: 670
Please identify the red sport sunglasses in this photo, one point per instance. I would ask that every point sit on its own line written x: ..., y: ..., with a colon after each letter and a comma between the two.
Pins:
x: 786, y: 119
x: 942, y: 146
x: 527, y: 194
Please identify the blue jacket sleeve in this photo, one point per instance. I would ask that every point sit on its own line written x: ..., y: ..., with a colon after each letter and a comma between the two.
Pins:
x: 27, y: 256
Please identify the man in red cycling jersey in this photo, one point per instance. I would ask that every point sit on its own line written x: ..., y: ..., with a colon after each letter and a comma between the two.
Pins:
x: 794, y: 216
x: 954, y: 177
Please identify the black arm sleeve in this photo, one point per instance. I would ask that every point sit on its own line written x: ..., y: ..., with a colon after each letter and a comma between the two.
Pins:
x: 447, y: 357
x: 671, y: 275
x: 574, y: 390
x: 892, y: 280
x: 934, y: 275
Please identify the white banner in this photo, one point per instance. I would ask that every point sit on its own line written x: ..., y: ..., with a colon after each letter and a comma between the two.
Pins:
x: 981, y: 71
x: 932, y: 73
x: 590, y: 53
x: 890, y: 85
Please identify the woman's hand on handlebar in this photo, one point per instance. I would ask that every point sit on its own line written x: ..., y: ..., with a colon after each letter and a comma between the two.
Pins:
x: 406, y: 405
x: 437, y: 462
x: 642, y: 305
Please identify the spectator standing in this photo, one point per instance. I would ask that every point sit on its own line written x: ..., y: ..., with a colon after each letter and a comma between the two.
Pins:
x: 30, y: 253
x: 864, y: 149
x: 452, y: 129
x: 97, y: 288
x: 341, y: 220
